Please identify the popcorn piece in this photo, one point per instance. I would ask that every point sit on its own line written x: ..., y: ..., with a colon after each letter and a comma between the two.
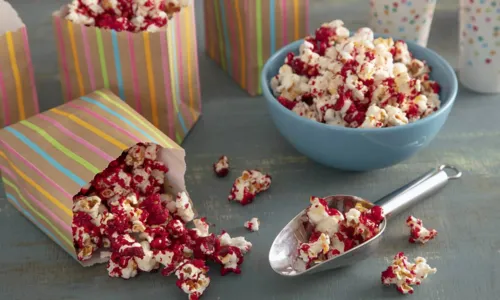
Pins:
x: 239, y: 242
x: 124, y: 15
x: 311, y: 251
x: 230, y: 257
x: 324, y: 219
x: 355, y: 81
x: 253, y: 224
x: 221, y: 167
x: 418, y: 233
x: 184, y: 207
x: 248, y: 185
x: 202, y: 227
x: 404, y: 274
x: 344, y: 231
x: 192, y: 278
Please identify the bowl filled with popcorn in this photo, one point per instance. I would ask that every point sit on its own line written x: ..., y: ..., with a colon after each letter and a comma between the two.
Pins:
x: 355, y: 100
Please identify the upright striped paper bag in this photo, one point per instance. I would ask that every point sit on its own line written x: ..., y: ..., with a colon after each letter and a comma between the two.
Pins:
x: 46, y: 159
x: 240, y: 35
x: 155, y: 73
x: 18, y: 96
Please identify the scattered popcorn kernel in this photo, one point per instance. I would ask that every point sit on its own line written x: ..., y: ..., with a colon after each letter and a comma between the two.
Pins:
x: 248, y: 185
x: 221, y: 167
x: 404, y: 274
x: 253, y: 224
x: 418, y: 233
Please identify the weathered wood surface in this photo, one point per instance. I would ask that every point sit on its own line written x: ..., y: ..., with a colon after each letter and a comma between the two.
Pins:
x: 466, y: 252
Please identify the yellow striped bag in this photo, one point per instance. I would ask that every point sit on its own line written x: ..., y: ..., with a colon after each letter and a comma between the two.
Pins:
x: 155, y: 73
x: 240, y: 35
x: 18, y: 96
x: 46, y: 159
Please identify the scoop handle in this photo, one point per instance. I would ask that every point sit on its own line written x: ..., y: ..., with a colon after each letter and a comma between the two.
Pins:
x: 418, y: 189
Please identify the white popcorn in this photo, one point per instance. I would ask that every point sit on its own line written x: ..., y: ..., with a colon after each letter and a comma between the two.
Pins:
x: 322, y: 217
x: 418, y: 233
x: 148, y: 262
x: 375, y: 117
x: 201, y: 227
x: 239, y: 242
x: 311, y: 251
x: 129, y: 271
x: 404, y: 273
x: 192, y: 280
x: 395, y: 116
x: 367, y: 71
x: 253, y: 224
x: 184, y: 207
x: 90, y: 205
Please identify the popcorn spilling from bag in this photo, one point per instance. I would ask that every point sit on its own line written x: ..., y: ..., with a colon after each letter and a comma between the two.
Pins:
x: 248, y: 185
x: 418, y: 233
x: 125, y: 15
x: 355, y: 81
x: 335, y: 232
x: 404, y: 274
x: 126, y: 215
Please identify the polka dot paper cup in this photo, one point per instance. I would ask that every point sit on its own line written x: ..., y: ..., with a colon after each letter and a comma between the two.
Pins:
x: 405, y: 19
x: 479, y: 62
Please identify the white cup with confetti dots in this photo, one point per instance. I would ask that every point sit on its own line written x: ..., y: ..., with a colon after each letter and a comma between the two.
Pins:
x: 479, y: 62
x: 404, y: 19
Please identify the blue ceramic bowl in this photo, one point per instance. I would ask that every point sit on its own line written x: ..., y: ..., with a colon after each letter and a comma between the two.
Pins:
x: 359, y: 149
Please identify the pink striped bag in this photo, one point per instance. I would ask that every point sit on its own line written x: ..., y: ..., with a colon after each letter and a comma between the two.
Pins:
x: 155, y: 73
x: 18, y: 96
x: 242, y: 34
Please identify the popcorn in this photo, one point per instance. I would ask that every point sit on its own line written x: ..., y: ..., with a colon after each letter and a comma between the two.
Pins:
x: 238, y: 242
x: 184, y: 207
x: 221, y: 167
x: 124, y: 15
x: 335, y: 232
x: 253, y: 224
x: 248, y: 185
x: 126, y: 215
x: 404, y: 274
x: 192, y: 278
x: 418, y: 233
x: 355, y: 81
x: 309, y: 252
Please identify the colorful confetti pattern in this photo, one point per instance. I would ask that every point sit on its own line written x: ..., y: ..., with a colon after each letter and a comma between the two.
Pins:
x: 479, y: 44
x: 405, y: 19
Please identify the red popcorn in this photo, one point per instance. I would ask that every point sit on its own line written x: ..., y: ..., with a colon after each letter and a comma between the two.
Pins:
x: 355, y: 80
x: 221, y: 167
x: 404, y: 274
x: 124, y: 15
x: 248, y: 185
x: 253, y: 224
x: 418, y: 233
x: 192, y: 278
x: 140, y: 230
x: 335, y: 232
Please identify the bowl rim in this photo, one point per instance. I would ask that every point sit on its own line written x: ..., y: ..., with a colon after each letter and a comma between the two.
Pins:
x: 266, y: 90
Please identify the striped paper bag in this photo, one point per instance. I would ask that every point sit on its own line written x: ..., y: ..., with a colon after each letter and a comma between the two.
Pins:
x: 155, y: 73
x: 240, y: 35
x: 18, y: 96
x: 46, y: 159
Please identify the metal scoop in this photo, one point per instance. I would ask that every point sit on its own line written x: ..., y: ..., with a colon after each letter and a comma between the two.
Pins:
x: 283, y: 255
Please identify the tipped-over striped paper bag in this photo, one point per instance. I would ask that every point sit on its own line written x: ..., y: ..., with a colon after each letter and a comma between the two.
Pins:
x: 46, y: 159
x: 18, y: 96
x: 154, y: 72
x: 240, y: 35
